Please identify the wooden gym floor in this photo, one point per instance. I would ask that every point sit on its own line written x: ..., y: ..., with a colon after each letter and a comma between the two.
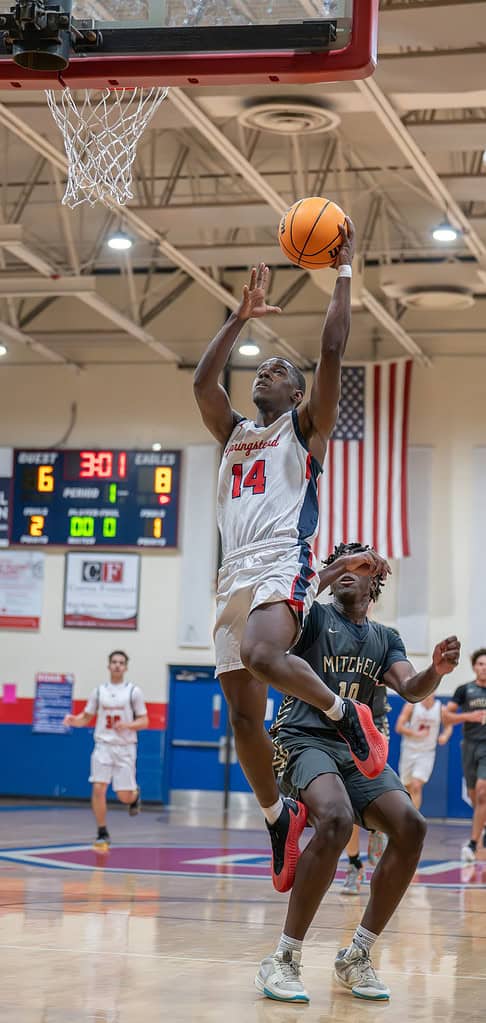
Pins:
x: 171, y: 925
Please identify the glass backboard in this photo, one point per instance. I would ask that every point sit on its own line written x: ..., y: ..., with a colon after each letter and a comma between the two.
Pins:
x: 202, y: 42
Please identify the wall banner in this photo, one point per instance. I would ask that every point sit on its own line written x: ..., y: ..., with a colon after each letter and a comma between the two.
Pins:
x: 101, y: 591
x: 21, y: 588
x: 53, y: 700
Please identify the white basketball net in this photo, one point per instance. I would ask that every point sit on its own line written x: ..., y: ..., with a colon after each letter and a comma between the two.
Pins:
x: 101, y: 132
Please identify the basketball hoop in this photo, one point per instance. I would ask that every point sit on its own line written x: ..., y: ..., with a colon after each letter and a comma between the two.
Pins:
x: 101, y: 131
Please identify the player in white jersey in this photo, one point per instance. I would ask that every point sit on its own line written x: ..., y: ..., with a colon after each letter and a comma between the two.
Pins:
x: 120, y: 711
x: 268, y: 516
x: 419, y: 725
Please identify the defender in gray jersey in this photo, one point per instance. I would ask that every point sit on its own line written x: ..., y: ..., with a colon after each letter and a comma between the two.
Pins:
x: 468, y: 707
x: 268, y: 516
x: 312, y: 761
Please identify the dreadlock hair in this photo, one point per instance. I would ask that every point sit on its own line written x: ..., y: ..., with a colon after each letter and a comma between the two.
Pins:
x: 376, y: 583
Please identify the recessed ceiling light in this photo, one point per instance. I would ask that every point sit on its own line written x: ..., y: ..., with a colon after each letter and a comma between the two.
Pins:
x: 120, y: 242
x: 156, y: 446
x: 3, y: 350
x: 445, y: 233
x: 249, y: 349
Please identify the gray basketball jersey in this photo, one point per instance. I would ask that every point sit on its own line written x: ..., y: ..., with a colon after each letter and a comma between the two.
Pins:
x: 351, y: 659
x: 267, y: 487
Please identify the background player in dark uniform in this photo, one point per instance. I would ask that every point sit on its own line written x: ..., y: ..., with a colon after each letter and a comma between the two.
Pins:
x: 468, y: 707
x: 354, y: 654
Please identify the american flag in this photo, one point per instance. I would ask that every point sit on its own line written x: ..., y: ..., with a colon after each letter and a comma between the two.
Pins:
x: 363, y: 490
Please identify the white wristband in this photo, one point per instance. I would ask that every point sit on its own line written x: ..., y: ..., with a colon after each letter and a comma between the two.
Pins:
x: 345, y: 270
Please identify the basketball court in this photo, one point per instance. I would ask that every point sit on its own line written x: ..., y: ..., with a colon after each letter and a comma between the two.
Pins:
x: 177, y: 923
x: 149, y: 152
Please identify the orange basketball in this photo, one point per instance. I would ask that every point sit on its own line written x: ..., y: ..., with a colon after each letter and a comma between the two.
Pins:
x: 309, y: 233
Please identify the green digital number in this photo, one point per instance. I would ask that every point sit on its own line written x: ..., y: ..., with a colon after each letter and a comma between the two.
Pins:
x: 109, y: 528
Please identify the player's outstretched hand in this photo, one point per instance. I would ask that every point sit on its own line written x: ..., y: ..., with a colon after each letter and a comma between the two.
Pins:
x: 253, y: 303
x: 68, y: 721
x: 446, y: 655
x: 348, y: 247
x: 367, y: 563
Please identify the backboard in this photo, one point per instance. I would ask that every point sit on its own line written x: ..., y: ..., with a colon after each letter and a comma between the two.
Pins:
x: 121, y: 43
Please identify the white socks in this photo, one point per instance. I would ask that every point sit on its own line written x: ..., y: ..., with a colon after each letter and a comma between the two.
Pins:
x: 364, y: 939
x: 287, y: 944
x: 336, y: 712
x: 272, y: 813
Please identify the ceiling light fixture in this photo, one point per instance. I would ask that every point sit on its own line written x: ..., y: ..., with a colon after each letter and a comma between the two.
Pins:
x: 3, y: 350
x: 120, y: 242
x: 156, y: 446
x: 445, y: 233
x: 249, y: 349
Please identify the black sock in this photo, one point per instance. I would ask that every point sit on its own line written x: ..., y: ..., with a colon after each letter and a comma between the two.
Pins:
x: 102, y: 832
x: 473, y: 845
x: 356, y: 861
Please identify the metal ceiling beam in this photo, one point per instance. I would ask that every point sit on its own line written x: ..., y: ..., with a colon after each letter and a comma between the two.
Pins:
x: 262, y: 330
x: 436, y: 188
x: 167, y: 300
x: 189, y: 109
x: 13, y: 335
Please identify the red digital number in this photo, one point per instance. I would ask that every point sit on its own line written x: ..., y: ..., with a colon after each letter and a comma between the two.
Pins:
x: 254, y: 480
x: 96, y: 464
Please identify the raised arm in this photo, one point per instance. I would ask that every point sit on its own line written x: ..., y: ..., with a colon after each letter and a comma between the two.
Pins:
x: 366, y: 563
x: 213, y: 400
x: 415, y: 686
x: 318, y: 416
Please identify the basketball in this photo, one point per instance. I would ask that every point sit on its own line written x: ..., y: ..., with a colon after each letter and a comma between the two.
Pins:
x: 309, y: 233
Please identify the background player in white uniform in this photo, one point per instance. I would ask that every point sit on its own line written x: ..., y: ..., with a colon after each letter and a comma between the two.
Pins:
x: 419, y: 725
x: 120, y: 712
x: 268, y: 515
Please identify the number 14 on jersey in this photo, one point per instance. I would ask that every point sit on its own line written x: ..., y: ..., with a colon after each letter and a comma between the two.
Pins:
x: 254, y: 480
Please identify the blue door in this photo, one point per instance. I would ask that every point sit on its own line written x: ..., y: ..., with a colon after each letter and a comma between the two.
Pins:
x: 195, y: 750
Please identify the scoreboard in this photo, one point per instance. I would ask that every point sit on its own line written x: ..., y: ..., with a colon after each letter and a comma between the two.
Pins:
x: 95, y: 498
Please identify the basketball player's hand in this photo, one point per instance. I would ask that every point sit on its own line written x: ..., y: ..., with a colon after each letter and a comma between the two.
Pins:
x: 122, y: 726
x: 347, y: 250
x: 367, y: 563
x: 446, y: 655
x: 253, y: 303
x: 68, y: 721
x: 477, y: 717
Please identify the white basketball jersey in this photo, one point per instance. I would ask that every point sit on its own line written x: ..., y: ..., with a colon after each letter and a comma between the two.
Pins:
x: 267, y: 488
x: 427, y: 722
x: 112, y: 703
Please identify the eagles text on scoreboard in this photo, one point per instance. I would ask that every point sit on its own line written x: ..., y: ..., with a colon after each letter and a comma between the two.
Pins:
x: 95, y: 498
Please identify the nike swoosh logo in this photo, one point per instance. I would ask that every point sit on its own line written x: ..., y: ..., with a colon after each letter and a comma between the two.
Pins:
x: 334, y: 631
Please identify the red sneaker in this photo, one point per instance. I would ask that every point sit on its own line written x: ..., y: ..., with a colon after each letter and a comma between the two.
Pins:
x: 284, y: 835
x: 368, y: 747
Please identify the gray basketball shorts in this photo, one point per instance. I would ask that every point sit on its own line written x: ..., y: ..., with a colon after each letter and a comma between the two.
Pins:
x: 473, y: 762
x: 298, y: 761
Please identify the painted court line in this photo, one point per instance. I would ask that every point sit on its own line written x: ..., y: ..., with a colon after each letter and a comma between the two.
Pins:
x: 99, y: 953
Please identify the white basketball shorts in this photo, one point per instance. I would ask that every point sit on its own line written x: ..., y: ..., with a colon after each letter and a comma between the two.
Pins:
x: 266, y: 573
x: 115, y: 764
x: 416, y: 764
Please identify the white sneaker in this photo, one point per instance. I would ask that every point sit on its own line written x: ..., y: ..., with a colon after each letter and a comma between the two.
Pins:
x: 279, y: 977
x: 352, y: 881
x: 467, y: 854
x: 377, y: 843
x: 353, y: 968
